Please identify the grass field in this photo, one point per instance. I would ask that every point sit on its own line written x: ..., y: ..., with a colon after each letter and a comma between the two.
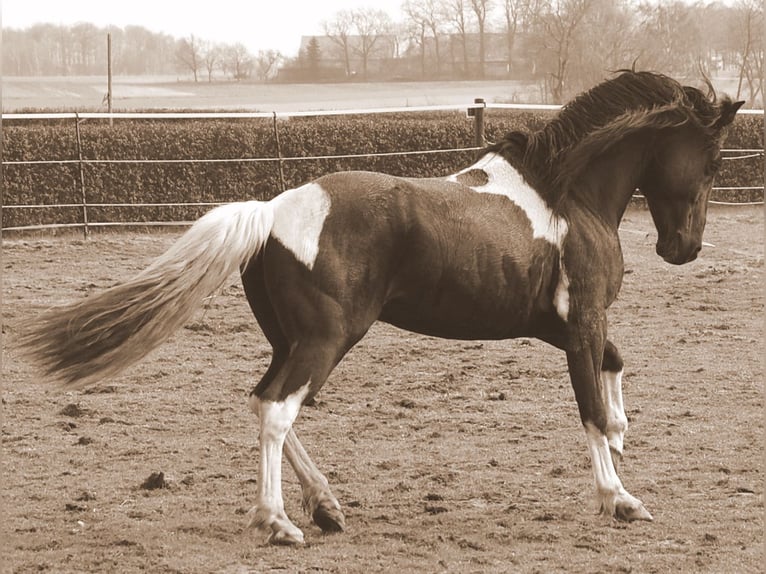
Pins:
x: 150, y: 92
x: 132, y: 93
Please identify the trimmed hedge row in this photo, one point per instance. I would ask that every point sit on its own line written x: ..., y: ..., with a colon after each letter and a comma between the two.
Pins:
x: 236, y: 139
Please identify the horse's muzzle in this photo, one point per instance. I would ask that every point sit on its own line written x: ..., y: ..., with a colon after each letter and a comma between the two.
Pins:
x: 679, y: 251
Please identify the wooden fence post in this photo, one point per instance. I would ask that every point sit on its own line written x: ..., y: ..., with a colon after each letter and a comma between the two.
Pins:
x: 279, y: 154
x: 83, y: 197
x: 478, y: 123
x: 109, y: 76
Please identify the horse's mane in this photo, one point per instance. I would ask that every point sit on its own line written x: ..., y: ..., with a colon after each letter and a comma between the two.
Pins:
x: 589, y: 124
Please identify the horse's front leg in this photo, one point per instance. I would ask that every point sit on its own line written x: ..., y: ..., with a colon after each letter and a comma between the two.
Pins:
x: 585, y: 359
x: 616, y: 420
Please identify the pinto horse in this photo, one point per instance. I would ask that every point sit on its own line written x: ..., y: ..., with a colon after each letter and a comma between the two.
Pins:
x: 523, y: 243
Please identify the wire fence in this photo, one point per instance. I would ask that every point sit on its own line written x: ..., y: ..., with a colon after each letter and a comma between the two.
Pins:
x: 475, y: 110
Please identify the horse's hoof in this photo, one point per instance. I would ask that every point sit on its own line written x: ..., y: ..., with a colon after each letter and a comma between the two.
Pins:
x: 628, y: 509
x: 329, y: 517
x: 284, y: 538
x: 279, y: 529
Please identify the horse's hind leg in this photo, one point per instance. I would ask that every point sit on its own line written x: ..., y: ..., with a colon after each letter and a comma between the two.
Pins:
x: 616, y: 420
x: 296, y: 370
x: 277, y: 403
x: 318, y: 501
x: 268, y: 514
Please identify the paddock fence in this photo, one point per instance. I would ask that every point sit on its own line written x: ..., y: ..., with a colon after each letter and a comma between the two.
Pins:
x: 476, y: 111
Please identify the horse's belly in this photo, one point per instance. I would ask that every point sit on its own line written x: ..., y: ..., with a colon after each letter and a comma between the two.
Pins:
x: 477, y: 300
x: 436, y: 322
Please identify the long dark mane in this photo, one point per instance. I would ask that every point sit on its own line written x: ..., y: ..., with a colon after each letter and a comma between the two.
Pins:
x: 551, y: 157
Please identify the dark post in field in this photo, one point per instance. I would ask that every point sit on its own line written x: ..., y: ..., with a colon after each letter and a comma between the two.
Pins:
x: 280, y: 160
x: 478, y: 122
x: 82, y: 176
x: 109, y: 76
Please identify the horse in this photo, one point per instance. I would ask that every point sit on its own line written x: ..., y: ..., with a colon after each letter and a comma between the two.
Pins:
x: 523, y: 243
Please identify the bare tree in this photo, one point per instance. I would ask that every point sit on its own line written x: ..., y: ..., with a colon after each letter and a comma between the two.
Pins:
x: 266, y: 64
x: 670, y: 37
x: 456, y: 13
x: 606, y: 42
x: 415, y: 29
x: 85, y: 46
x: 370, y: 25
x: 748, y: 23
x: 237, y: 61
x: 481, y: 9
x: 560, y: 22
x: 140, y: 51
x: 513, y: 11
x: 188, y: 53
x: 339, y: 31
x: 427, y: 18
x: 211, y: 56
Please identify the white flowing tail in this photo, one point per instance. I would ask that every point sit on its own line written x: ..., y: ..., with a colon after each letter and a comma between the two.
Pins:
x: 82, y: 343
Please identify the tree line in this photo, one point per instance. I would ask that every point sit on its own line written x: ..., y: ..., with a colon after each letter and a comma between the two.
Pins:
x: 563, y: 46
x: 80, y: 49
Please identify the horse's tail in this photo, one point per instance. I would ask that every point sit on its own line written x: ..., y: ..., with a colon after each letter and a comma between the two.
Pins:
x: 84, y: 342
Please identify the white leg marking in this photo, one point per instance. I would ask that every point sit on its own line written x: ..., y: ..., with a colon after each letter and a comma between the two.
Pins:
x: 276, y: 419
x: 299, y: 216
x: 612, y: 497
x: 607, y: 481
x: 616, y: 421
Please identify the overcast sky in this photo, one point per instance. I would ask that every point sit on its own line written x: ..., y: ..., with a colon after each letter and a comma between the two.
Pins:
x: 258, y: 24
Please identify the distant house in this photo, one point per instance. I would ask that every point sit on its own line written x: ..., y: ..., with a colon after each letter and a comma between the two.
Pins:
x: 335, y: 58
x: 328, y: 58
x: 459, y: 56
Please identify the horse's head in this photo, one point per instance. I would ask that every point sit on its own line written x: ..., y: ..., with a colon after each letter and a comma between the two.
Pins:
x: 677, y: 182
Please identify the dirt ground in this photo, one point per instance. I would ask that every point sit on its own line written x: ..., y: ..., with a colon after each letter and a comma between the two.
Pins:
x: 446, y: 456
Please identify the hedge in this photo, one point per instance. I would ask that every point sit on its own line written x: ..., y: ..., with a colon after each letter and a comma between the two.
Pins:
x: 238, y: 138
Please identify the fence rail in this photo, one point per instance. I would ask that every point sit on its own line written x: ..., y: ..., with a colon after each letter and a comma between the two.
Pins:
x: 474, y: 110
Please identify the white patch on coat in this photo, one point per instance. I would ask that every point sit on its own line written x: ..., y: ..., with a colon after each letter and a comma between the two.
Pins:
x: 616, y: 420
x: 299, y: 216
x: 505, y: 180
x: 604, y: 473
x: 561, y: 294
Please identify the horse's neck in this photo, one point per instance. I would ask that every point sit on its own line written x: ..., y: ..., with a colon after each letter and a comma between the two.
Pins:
x: 607, y: 186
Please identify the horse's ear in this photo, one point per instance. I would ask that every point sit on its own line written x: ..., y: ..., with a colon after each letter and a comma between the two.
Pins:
x: 728, y: 112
